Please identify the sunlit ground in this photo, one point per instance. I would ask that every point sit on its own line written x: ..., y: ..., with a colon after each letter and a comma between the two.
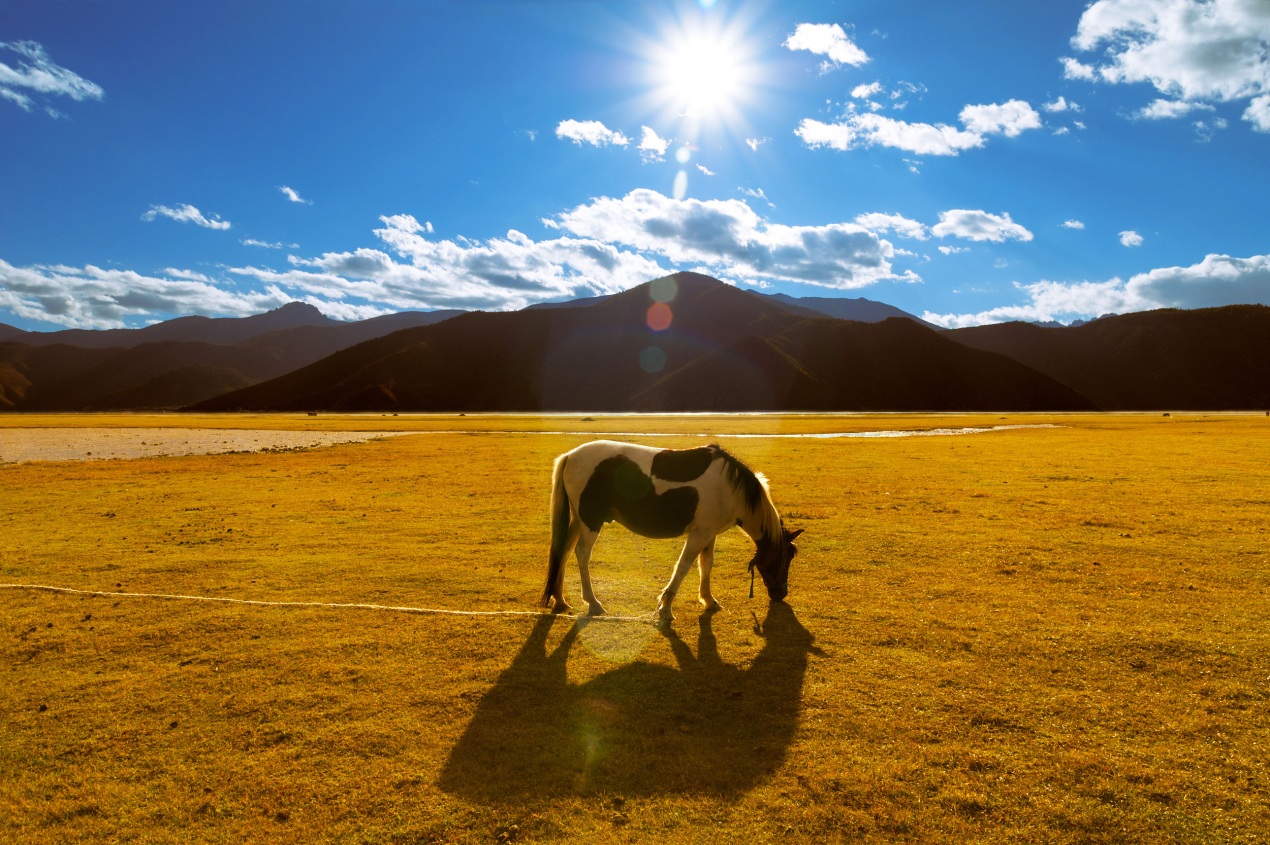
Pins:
x: 1032, y: 634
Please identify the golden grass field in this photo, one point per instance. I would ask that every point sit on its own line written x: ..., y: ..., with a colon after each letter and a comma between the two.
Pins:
x: 1036, y: 634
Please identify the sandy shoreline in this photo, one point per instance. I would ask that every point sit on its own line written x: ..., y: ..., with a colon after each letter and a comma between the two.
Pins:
x: 18, y: 445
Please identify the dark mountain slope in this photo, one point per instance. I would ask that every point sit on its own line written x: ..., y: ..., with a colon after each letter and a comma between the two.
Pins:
x: 824, y: 364
x: 590, y: 358
x: 1208, y: 359
x: 725, y: 349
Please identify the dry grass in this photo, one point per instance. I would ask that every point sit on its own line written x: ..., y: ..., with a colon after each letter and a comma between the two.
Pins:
x: 1051, y: 635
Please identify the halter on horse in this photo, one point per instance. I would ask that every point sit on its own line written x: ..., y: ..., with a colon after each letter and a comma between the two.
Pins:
x: 662, y: 493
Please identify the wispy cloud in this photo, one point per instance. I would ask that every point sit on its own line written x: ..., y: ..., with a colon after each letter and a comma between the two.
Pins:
x: 897, y: 223
x: 870, y: 129
x: 267, y: 244
x: 1061, y: 104
x: 1215, y: 281
x: 185, y: 214
x: 591, y: 132
x: 828, y: 40
x: 1131, y: 238
x: 755, y: 143
x: 37, y: 76
x: 292, y: 195
x: 1072, y: 224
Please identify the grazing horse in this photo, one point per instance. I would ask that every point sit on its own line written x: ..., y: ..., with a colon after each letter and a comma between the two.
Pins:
x: 662, y: 493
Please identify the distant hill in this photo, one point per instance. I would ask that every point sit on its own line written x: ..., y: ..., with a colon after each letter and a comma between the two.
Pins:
x: 859, y: 309
x: 147, y: 369
x: 1207, y: 359
x: 218, y: 330
x: 725, y: 349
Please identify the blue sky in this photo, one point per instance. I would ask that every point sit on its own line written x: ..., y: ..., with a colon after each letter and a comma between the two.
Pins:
x: 969, y: 162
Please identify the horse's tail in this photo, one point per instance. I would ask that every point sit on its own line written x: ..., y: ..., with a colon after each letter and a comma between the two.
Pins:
x: 559, y: 530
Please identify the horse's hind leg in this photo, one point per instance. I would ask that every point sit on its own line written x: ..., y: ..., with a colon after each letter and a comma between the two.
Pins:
x: 571, y: 541
x: 586, y: 542
x: 704, y: 564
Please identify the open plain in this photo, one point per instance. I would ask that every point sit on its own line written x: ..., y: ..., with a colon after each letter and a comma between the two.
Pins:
x: 1058, y: 632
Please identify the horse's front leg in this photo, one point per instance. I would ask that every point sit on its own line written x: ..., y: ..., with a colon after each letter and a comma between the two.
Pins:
x: 692, y: 547
x: 586, y: 542
x: 704, y: 564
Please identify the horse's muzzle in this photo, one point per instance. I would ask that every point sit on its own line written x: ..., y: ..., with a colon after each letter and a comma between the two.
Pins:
x: 778, y: 593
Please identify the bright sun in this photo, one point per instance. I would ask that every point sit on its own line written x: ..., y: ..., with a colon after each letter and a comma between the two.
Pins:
x: 703, y: 76
x: 703, y: 72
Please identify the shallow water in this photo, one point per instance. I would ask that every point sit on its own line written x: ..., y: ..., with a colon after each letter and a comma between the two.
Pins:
x: 95, y: 444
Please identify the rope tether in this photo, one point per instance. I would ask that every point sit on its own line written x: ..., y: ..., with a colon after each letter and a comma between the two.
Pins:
x: 334, y: 605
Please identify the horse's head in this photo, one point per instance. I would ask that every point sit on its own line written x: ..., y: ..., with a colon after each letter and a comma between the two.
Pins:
x: 772, y: 558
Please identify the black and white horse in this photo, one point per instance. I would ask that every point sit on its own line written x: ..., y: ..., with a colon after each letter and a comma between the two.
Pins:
x: 662, y: 493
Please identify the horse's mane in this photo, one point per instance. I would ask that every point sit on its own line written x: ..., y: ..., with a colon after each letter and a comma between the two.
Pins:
x: 753, y: 488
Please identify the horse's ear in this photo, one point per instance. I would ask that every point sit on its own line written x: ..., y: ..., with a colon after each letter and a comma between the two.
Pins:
x: 791, y: 536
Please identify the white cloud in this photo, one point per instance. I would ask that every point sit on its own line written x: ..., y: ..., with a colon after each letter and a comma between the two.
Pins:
x: 1130, y: 238
x: 979, y: 226
x: 293, y: 195
x: 1217, y: 280
x: 1009, y: 118
x: 1168, y: 109
x: 185, y: 214
x: 38, y: 75
x: 652, y: 147
x: 828, y: 40
x: 865, y: 92
x: 900, y: 225
x: 591, y: 132
x: 857, y: 130
x: 1073, y: 224
x: 1206, y: 50
x: 953, y: 250
x: 1258, y: 113
x: 755, y: 143
x: 707, y: 171
x: 867, y: 130
x: 727, y: 238
x: 1073, y: 69
x: 94, y: 298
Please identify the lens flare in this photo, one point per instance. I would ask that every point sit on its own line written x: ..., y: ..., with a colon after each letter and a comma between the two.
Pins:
x: 659, y: 316
x: 664, y: 289
x: 652, y: 360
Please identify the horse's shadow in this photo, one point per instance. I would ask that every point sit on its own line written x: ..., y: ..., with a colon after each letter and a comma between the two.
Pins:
x: 642, y: 729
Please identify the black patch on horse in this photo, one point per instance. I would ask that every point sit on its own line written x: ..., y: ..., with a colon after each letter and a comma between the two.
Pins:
x: 619, y: 491
x: 683, y: 464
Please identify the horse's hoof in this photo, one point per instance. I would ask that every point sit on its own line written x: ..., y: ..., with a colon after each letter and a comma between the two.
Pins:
x: 596, y: 610
x: 711, y: 606
x: 560, y: 607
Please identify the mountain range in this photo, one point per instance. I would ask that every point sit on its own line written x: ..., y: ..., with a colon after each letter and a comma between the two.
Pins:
x: 684, y: 343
